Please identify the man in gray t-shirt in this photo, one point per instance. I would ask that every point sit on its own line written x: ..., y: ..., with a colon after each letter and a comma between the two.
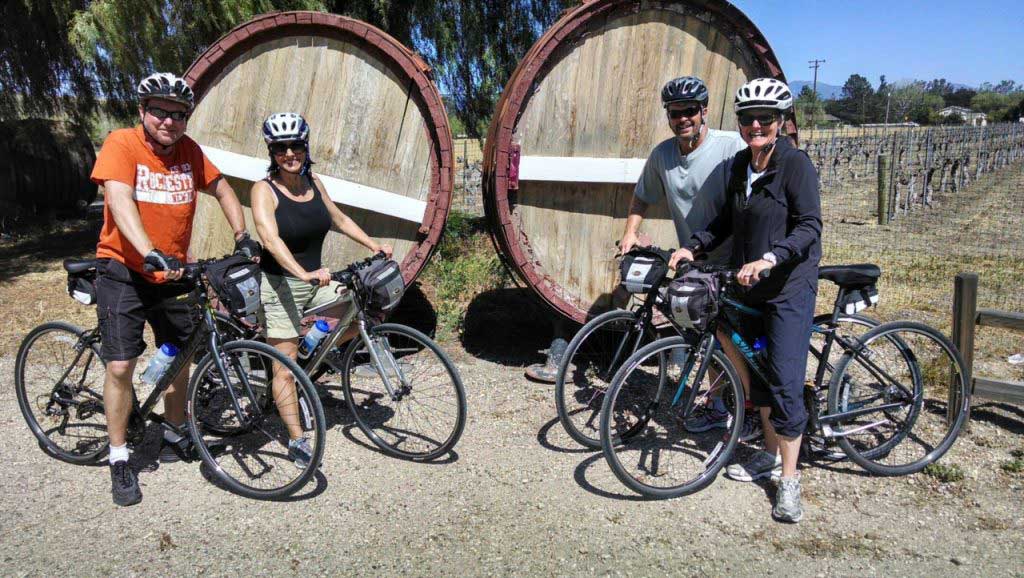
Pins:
x: 687, y: 170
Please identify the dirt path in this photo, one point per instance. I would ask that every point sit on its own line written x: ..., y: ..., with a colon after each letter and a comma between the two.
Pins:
x: 517, y: 499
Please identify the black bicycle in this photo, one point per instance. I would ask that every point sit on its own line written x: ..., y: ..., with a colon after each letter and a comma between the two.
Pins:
x: 896, y: 398
x: 241, y: 434
x: 600, y: 347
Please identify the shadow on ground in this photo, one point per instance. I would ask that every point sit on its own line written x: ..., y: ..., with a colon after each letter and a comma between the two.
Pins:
x: 33, y: 249
x: 508, y: 326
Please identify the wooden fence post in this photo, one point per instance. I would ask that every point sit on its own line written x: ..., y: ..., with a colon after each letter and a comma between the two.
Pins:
x: 883, y: 186
x: 965, y: 317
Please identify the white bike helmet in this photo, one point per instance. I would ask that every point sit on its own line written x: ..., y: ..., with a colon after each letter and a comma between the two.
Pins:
x: 763, y: 93
x: 285, y: 126
x: 166, y: 86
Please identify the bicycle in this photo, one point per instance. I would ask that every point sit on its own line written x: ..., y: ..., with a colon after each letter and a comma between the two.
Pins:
x: 898, y: 386
x: 404, y: 392
x: 598, y: 349
x: 231, y: 417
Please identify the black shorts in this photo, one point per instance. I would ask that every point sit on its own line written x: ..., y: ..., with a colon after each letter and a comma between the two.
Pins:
x: 126, y: 301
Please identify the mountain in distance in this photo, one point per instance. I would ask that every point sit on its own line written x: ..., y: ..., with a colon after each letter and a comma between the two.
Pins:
x: 825, y: 91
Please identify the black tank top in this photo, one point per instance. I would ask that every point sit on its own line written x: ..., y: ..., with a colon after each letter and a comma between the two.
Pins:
x: 302, y: 226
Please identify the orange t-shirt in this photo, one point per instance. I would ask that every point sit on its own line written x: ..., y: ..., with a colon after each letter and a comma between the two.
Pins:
x: 165, y: 193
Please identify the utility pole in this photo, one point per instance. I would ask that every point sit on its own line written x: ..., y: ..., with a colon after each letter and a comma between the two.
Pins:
x: 815, y: 64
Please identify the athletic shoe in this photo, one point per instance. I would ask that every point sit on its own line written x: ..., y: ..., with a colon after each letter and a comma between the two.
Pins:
x: 787, y: 501
x: 173, y: 452
x: 760, y: 465
x: 300, y: 452
x: 706, y: 418
x: 124, y: 484
x: 751, y: 429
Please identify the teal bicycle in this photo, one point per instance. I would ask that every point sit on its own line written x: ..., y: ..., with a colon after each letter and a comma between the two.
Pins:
x: 895, y: 400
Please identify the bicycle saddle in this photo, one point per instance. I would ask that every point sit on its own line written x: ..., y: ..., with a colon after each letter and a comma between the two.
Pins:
x: 79, y: 265
x: 856, y: 275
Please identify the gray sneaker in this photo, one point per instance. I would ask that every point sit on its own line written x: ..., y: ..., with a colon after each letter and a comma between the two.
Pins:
x: 301, y: 452
x: 704, y: 419
x: 787, y: 501
x: 760, y: 465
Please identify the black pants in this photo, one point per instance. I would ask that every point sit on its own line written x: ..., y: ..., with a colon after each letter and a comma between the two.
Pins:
x: 787, y: 327
x: 126, y: 301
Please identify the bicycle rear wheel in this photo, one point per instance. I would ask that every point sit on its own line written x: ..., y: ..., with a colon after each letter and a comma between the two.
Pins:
x: 58, y: 378
x: 908, y: 397
x: 661, y: 458
x: 593, y: 356
x: 246, y: 446
x: 422, y: 417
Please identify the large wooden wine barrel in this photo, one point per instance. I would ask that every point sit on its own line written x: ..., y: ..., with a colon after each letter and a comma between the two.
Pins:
x: 578, y: 119
x: 44, y: 167
x: 379, y: 131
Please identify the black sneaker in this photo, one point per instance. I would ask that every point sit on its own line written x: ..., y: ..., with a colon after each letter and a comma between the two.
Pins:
x: 172, y: 452
x: 124, y: 484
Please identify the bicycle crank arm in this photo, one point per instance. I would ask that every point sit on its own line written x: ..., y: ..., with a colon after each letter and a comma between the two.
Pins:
x: 831, y: 433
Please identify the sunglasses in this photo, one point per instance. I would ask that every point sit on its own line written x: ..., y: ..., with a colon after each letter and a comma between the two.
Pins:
x: 762, y: 119
x: 296, y: 146
x: 678, y: 113
x: 164, y: 114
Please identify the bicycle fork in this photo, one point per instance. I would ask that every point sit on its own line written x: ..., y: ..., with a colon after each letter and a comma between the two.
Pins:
x: 379, y: 357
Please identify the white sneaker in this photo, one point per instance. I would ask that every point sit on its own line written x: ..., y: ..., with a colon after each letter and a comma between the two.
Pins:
x: 760, y: 465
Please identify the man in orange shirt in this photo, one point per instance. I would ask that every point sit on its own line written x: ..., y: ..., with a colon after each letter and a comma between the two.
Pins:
x: 151, y: 175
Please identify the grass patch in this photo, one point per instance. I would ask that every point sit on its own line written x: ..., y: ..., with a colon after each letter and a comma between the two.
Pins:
x: 946, y: 474
x: 464, y: 266
x: 1016, y: 465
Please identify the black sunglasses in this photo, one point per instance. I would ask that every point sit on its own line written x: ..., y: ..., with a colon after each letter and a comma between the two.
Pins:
x: 678, y: 113
x: 762, y: 119
x: 164, y: 114
x: 296, y: 146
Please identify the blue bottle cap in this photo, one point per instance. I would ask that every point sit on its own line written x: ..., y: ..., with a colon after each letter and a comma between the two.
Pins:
x: 169, y: 349
x: 322, y: 325
x: 760, y: 343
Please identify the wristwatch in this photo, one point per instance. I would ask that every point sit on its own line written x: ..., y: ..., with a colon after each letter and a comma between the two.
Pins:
x: 771, y: 258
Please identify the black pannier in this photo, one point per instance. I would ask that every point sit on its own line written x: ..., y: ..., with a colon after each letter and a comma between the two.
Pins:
x: 236, y: 281
x: 643, y: 268
x: 692, y: 299
x: 383, y: 284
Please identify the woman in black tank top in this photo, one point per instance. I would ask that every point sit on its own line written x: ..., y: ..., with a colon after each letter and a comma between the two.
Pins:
x: 293, y: 215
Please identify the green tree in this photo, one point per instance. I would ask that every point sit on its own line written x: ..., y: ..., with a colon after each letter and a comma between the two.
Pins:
x: 809, y: 108
x: 992, y: 103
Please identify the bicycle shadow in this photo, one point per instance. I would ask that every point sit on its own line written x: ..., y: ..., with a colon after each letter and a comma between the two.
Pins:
x: 448, y: 458
x: 544, y: 439
x: 583, y: 471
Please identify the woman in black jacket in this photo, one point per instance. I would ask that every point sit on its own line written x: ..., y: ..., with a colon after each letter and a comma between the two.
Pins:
x: 773, y: 212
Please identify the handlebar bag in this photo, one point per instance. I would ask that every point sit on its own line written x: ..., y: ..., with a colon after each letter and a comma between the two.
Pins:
x: 383, y: 284
x: 236, y: 281
x: 642, y: 269
x: 692, y: 299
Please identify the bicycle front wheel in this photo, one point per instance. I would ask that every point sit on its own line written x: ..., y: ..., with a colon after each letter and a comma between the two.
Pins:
x: 243, y: 420
x: 409, y: 400
x: 905, y: 395
x: 59, y: 378
x: 663, y: 456
x: 593, y: 356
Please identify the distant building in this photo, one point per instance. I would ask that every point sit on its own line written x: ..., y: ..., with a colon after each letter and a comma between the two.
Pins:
x: 970, y: 117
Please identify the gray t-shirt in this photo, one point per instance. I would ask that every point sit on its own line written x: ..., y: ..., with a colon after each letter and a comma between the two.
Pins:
x: 693, y: 184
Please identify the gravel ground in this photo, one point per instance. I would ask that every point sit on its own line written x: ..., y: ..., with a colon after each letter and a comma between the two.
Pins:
x: 516, y: 499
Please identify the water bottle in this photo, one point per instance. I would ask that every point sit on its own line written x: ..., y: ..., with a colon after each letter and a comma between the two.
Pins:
x: 159, y: 364
x: 759, y: 348
x: 312, y: 339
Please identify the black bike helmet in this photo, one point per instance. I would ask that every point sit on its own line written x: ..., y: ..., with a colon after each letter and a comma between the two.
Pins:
x: 684, y: 88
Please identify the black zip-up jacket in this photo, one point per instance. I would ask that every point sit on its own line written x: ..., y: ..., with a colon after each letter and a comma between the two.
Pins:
x: 782, y: 215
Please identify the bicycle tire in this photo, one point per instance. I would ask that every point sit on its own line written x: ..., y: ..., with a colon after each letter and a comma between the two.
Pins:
x: 383, y: 419
x: 590, y: 397
x: 649, y: 450
x: 268, y: 466
x: 925, y: 371
x: 83, y: 401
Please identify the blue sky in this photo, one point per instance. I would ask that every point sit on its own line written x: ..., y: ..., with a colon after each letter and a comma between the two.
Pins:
x: 967, y: 42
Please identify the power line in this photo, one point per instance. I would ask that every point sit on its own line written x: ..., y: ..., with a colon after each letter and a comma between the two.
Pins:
x: 815, y: 64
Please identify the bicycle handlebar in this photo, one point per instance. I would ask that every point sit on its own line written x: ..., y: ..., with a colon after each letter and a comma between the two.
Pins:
x: 346, y: 275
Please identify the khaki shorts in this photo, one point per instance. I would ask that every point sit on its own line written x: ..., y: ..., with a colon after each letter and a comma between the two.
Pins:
x: 284, y: 298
